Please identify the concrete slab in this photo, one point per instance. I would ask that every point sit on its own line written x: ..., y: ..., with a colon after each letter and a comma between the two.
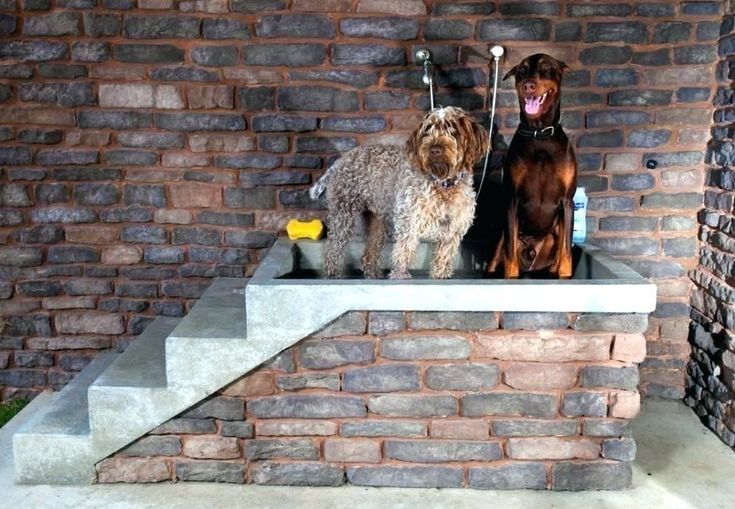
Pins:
x: 680, y: 465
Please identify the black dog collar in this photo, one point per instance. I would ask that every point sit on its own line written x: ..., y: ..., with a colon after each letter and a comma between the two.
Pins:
x: 542, y: 133
x: 447, y: 183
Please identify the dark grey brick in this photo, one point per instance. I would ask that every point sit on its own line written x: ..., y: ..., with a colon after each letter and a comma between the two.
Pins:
x: 35, y: 5
x: 625, y: 377
x: 589, y: 404
x: 700, y: 8
x: 223, y: 28
x: 210, y: 471
x: 257, y: 98
x: 628, y: 223
x: 672, y: 200
x: 534, y: 321
x: 366, y: 54
x: 38, y: 288
x: 654, y: 10
x: 23, y: 378
x: 144, y: 234
x: 616, y: 77
x: 602, y: 139
x: 671, y: 31
x: 256, y: 6
x: 325, y: 144
x: 63, y: 71
x: 461, y: 377
x: 186, y: 426
x: 605, y: 55
x: 317, y: 99
x: 249, y: 198
x: 353, y: 124
x: 307, y: 406
x: 406, y: 477
x: 295, y: 25
x: 395, y: 28
x: 33, y: 51
x: 126, y: 214
x: 534, y: 428
x: 20, y: 256
x: 251, y: 240
x: 161, y: 27
x: 248, y: 161
x: 653, y: 58
x: 436, y: 451
x: 42, y: 136
x: 99, y: 119
x: 633, y: 182
x: 291, y: 55
x: 15, y: 155
x: 241, y: 429
x: 708, y: 31
x: 451, y: 8
x: 567, y: 31
x: 300, y: 448
x: 26, y: 325
x: 531, y: 476
x: 225, y: 218
x: 136, y: 289
x: 90, y: 51
x: 606, y: 427
x: 681, y: 247
x: 526, y: 9
x: 529, y: 29
x: 568, y: 476
x: 510, y: 403
x: 204, y: 236
x: 63, y: 215
x: 606, y: 118
x: 168, y: 308
x: 425, y: 347
x: 99, y: 25
x: 277, y: 143
x: 593, y: 322
x: 377, y: 428
x: 26, y: 174
x: 26, y: 359
x: 216, y: 255
x: 74, y: 174
x: 183, y: 73
x: 648, y: 138
x: 633, y: 32
x: 619, y: 449
x: 145, y: 194
x: 303, y: 161
x: 150, y: 140
x: 445, y: 29
x: 384, y: 322
x: 96, y: 194
x: 14, y: 195
x: 386, y: 100
x: 693, y: 94
x: 154, y: 446
x: 57, y: 23
x: 274, y: 178
x: 393, y: 405
x: 45, y: 234
x: 199, y: 121
x: 185, y: 289
x: 148, y: 53
x: 67, y: 156
x: 695, y: 55
x: 326, y: 353
x: 297, y: 474
x: 218, y: 407
x: 72, y: 254
x: 387, y: 378
x: 666, y: 159
x: 599, y: 9
x: 214, y: 56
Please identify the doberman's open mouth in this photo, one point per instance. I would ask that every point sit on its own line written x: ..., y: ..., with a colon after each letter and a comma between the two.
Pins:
x: 533, y: 103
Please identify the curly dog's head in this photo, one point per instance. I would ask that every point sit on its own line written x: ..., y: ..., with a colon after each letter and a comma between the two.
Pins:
x: 447, y: 142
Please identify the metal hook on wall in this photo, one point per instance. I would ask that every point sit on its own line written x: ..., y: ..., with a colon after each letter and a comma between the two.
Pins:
x: 423, y: 55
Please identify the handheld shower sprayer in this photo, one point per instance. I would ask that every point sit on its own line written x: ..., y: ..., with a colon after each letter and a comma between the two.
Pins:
x: 496, y: 51
x: 423, y: 55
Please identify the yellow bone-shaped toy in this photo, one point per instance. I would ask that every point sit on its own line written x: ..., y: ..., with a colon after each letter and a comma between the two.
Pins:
x: 304, y: 229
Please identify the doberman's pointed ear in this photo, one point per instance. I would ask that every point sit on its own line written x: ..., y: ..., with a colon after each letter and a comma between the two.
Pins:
x: 564, y: 67
x: 510, y: 73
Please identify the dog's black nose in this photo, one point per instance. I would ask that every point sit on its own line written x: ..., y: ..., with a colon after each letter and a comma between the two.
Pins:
x: 529, y: 87
x: 436, y: 151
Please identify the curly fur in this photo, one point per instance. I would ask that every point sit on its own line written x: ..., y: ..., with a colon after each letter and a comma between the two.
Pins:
x: 420, y: 192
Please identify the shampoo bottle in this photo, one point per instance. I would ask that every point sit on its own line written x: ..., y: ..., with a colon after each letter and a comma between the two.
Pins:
x: 579, y: 231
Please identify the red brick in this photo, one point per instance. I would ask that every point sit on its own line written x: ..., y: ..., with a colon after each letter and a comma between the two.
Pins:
x: 351, y: 450
x: 629, y: 348
x: 97, y: 234
x: 258, y: 384
x: 83, y: 302
x: 295, y: 428
x: 544, y: 347
x: 122, y: 255
x: 211, y: 447
x: 552, y: 448
x: 87, y: 322
x: 404, y: 7
x: 122, y: 469
x: 190, y: 194
x: 173, y: 216
x: 625, y: 405
x: 322, y: 5
x: 460, y: 429
x: 538, y: 376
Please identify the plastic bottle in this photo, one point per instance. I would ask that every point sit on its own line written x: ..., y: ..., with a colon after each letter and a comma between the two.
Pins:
x: 579, y: 230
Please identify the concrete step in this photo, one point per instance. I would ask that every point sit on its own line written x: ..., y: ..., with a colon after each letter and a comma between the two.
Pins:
x: 136, y: 382
x: 54, y: 446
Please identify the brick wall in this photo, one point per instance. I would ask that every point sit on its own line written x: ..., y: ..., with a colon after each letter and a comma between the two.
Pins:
x: 148, y: 147
x: 479, y: 400
x: 710, y: 383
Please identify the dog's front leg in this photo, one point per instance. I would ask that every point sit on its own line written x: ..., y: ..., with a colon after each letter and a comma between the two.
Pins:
x: 444, y: 253
x: 404, y: 251
x: 512, y: 252
x: 565, y: 240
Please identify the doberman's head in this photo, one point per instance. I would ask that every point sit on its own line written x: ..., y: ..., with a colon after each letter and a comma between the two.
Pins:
x: 448, y: 142
x: 538, y: 83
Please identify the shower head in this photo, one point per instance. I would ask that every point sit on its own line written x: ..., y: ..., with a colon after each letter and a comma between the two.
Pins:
x: 423, y: 55
x: 497, y: 51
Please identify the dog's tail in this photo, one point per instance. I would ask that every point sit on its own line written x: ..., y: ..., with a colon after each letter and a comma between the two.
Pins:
x: 321, y: 185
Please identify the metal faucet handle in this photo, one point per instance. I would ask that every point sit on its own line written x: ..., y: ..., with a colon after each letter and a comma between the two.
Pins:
x: 423, y: 55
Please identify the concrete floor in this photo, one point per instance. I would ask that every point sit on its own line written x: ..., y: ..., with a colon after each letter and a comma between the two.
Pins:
x: 680, y: 465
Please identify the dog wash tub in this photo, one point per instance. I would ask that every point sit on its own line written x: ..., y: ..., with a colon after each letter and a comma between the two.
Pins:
x: 468, y: 382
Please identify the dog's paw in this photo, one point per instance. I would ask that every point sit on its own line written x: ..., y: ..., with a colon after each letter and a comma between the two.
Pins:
x: 399, y: 274
x: 440, y: 274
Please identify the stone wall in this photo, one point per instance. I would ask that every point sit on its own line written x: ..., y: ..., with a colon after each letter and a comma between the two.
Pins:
x: 479, y: 400
x: 146, y: 147
x: 710, y: 382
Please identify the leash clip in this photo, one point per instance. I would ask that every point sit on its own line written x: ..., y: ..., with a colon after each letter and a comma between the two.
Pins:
x: 542, y: 132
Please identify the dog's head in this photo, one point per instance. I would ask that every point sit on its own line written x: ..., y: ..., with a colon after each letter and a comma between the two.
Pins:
x: 447, y: 142
x: 538, y: 82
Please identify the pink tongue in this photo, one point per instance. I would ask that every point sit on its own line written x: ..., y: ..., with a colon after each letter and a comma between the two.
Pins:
x: 533, y: 105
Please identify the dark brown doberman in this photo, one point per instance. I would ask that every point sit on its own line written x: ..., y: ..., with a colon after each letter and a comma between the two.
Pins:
x: 539, y: 177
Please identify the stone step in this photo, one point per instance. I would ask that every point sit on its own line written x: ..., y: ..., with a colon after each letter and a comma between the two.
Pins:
x: 54, y: 446
x: 134, y: 382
